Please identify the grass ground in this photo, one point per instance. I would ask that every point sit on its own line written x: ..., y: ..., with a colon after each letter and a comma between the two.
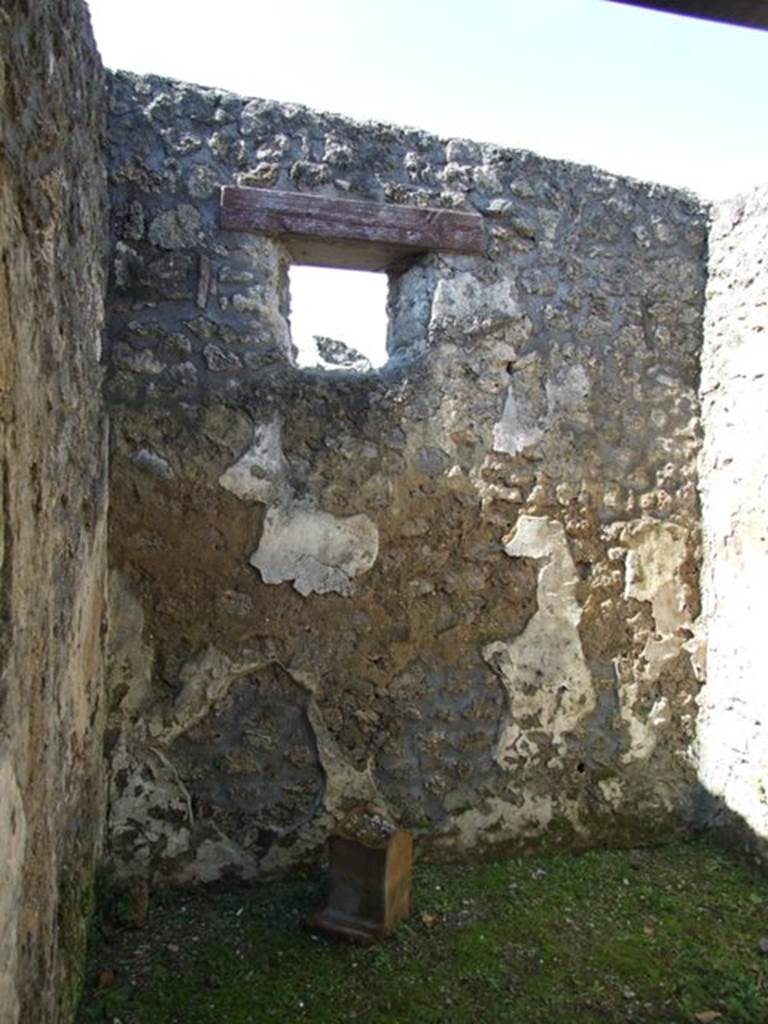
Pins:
x: 663, y: 935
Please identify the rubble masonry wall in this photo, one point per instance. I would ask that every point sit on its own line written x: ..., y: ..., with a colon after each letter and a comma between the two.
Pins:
x: 464, y: 587
x: 53, y: 494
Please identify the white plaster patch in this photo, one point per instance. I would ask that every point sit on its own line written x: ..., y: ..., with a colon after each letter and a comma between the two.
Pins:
x: 147, y: 806
x: 532, y: 403
x: 258, y: 473
x: 522, y: 420
x: 536, y: 399
x: 656, y: 551
x: 655, y: 555
x: 317, y: 551
x: 544, y: 671
x: 652, y: 573
x: 642, y: 729
x: 12, y: 846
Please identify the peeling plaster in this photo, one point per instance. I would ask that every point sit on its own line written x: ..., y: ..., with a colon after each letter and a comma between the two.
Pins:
x: 345, y: 787
x: 147, y: 806
x: 259, y: 473
x: 642, y: 728
x: 531, y: 405
x: 520, y: 384
x: 522, y: 420
x: 318, y: 552
x: 543, y: 670
x: 656, y: 551
x: 206, y: 680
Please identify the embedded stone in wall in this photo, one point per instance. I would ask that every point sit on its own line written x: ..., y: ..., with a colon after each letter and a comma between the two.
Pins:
x: 176, y: 229
x: 468, y: 303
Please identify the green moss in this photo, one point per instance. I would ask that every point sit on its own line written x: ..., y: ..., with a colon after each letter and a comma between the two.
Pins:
x: 75, y: 911
x: 619, y: 936
x: 121, y: 902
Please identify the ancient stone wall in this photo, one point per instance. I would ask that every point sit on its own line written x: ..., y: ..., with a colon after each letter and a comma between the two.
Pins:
x: 732, y: 748
x: 53, y: 493
x: 463, y: 587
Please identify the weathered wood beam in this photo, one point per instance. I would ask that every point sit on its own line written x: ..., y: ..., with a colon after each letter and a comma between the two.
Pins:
x: 324, y: 231
x: 748, y: 13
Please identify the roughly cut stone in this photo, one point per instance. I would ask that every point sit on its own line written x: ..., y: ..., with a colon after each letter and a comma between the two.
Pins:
x: 176, y: 229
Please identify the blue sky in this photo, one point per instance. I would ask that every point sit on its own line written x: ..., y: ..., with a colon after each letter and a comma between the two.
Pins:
x: 655, y: 96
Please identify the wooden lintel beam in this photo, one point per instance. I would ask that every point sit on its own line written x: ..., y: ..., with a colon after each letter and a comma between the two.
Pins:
x: 330, y: 232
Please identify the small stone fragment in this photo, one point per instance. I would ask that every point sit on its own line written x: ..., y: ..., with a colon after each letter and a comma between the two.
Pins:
x: 152, y: 463
x: 202, y: 182
x: 337, y: 355
x: 218, y: 359
x: 264, y: 175
x: 203, y: 282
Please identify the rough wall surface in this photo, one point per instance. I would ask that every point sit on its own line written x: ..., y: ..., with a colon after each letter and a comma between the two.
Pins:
x: 463, y: 587
x: 732, y: 747
x: 53, y: 494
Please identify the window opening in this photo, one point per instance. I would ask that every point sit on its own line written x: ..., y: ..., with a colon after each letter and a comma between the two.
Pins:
x: 338, y: 318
